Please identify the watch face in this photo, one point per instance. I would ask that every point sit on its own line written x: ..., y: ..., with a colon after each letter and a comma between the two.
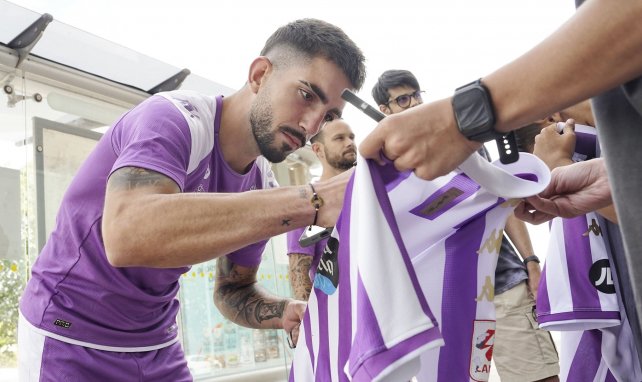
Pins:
x: 473, y: 111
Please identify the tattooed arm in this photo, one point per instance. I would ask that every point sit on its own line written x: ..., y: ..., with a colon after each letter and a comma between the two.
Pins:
x: 239, y: 298
x: 148, y: 222
x: 299, y: 271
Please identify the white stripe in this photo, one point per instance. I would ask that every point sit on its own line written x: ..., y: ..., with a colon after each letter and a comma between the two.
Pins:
x: 498, y: 179
x: 30, y: 348
x: 557, y: 276
x: 398, y: 310
x: 303, y: 370
x: 201, y: 128
x: 569, y: 341
x: 267, y: 175
x: 608, y: 302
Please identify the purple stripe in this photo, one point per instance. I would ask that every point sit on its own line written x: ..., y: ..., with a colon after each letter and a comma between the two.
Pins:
x: 384, y: 202
x: 547, y: 318
x: 609, y: 377
x: 543, y: 304
x: 461, y: 184
x: 480, y: 213
x: 308, y: 338
x: 345, y: 299
x: 323, y: 363
x: 390, y: 176
x: 586, y: 144
x: 367, y: 339
x: 459, y: 303
x: 579, y: 260
x: 586, y: 360
x: 376, y: 364
x: 527, y: 176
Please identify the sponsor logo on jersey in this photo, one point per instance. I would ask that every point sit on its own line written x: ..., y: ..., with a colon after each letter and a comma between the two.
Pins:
x: 482, y: 349
x: 600, y: 276
x: 62, y: 323
x: 327, y: 277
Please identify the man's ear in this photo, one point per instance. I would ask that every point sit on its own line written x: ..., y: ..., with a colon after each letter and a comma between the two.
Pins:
x: 318, y: 150
x: 385, y: 109
x: 260, y: 69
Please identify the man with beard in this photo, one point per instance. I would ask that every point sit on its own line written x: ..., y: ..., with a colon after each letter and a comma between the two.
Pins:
x: 181, y: 179
x: 336, y: 150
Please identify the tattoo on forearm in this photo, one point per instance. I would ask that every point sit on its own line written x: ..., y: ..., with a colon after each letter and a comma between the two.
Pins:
x: 299, y: 276
x: 266, y: 311
x: 242, y: 298
x: 129, y: 178
x: 285, y: 222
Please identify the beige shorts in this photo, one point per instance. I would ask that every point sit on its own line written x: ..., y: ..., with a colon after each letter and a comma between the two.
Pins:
x: 522, y: 351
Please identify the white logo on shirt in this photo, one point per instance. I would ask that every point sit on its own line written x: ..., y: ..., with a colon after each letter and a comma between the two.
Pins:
x: 207, y: 173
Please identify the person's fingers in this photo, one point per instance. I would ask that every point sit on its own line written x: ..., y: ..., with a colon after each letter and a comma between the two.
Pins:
x: 527, y: 212
x: 521, y: 210
x: 372, y: 147
x: 569, y: 126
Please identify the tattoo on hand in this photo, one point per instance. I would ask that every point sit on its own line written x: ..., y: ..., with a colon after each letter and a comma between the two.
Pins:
x: 266, y: 311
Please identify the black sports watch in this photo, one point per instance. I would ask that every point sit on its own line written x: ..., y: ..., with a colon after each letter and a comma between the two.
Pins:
x: 475, y: 119
x: 474, y: 112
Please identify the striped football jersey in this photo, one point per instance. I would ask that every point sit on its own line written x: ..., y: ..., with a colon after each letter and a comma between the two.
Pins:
x: 579, y: 296
x: 373, y: 310
x: 576, y: 290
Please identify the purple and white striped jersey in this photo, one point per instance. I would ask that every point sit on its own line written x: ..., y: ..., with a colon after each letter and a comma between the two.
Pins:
x: 599, y: 355
x: 578, y: 295
x: 576, y: 290
x: 368, y: 316
x: 577, y: 271
x: 457, y: 273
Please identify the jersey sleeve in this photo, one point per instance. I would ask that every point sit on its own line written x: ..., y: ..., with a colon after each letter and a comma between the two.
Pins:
x: 295, y: 247
x: 155, y: 136
x: 249, y: 256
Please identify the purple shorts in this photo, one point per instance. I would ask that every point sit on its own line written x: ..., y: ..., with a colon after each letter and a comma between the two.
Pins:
x: 42, y: 358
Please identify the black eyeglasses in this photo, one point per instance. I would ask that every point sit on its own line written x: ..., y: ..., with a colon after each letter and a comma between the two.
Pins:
x: 404, y: 100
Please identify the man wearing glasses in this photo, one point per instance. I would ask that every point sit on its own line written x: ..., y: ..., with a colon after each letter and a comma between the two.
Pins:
x: 521, y: 352
x: 396, y: 91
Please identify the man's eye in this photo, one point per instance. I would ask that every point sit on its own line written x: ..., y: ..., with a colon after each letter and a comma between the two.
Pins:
x: 328, y: 118
x: 305, y: 95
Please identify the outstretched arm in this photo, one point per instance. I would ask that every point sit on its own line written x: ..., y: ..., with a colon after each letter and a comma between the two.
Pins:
x: 148, y: 222
x: 596, y: 50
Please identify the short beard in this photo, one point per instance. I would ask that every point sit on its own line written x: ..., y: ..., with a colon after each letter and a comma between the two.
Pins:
x: 261, y: 121
x: 342, y: 164
x: 338, y: 162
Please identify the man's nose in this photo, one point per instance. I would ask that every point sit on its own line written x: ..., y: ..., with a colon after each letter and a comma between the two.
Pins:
x: 312, y: 123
